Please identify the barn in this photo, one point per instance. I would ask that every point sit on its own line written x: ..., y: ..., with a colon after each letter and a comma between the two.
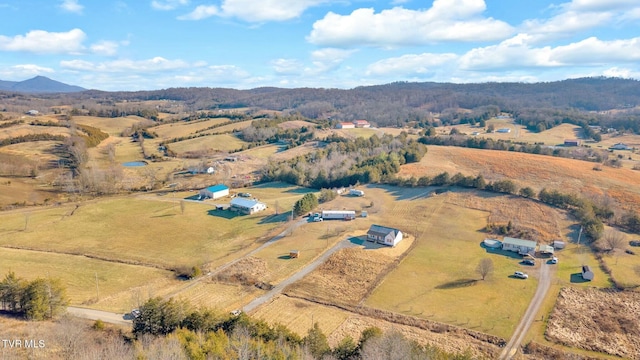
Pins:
x: 384, y: 235
x: 246, y: 206
x: 521, y: 246
x: 338, y: 214
x: 587, y: 274
x: 572, y: 142
x: 214, y: 192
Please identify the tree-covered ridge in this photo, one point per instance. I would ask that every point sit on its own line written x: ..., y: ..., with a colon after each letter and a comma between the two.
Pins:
x: 345, y: 162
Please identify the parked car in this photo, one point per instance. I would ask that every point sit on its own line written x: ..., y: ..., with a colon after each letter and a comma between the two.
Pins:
x: 135, y: 313
x: 554, y: 260
x: 317, y: 219
x: 520, y: 275
x: 236, y: 312
x: 529, y: 262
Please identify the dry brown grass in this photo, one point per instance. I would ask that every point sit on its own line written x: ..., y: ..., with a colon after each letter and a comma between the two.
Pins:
x: 296, y: 124
x: 536, y: 171
x: 597, y: 320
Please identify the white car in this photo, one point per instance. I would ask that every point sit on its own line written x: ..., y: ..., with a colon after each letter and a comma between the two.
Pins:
x: 317, y: 219
x: 520, y: 275
x: 554, y: 260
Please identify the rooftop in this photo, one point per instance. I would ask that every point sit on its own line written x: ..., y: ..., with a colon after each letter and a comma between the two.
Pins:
x: 519, y: 242
x: 218, y: 187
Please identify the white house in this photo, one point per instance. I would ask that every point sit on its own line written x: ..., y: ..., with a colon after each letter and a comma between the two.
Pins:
x: 620, y: 146
x: 345, y: 125
x: 521, y: 246
x: 361, y: 123
x: 356, y: 192
x: 338, y: 214
x: 384, y: 235
x: 246, y: 206
x: 214, y: 192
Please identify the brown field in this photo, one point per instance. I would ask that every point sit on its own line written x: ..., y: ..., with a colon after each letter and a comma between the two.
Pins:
x: 349, y: 274
x: 597, y: 320
x: 112, y: 126
x: 25, y: 129
x: 38, y: 151
x: 553, y: 136
x: 566, y: 175
x: 236, y: 126
x: 211, y: 143
x: 296, y: 124
x: 184, y: 128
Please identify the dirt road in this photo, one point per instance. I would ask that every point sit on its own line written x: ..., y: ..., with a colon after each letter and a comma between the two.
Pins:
x: 297, y: 276
x: 523, y: 327
x: 108, y: 317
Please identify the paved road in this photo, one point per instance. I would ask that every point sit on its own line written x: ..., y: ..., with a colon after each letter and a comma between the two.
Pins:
x: 297, y: 276
x: 525, y: 323
x: 105, y: 316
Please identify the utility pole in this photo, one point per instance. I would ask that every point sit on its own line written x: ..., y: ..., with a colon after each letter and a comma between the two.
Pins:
x: 97, y: 289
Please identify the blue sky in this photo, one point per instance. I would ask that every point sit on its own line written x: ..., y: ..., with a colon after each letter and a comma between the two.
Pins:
x: 155, y: 44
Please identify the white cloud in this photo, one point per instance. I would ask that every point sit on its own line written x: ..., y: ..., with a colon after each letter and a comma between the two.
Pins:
x: 565, y: 23
x: 155, y: 64
x: 446, y: 20
x: 621, y: 73
x: 23, y: 71
x: 517, y: 53
x: 287, y: 66
x: 600, y: 5
x: 168, y: 4
x: 328, y: 59
x: 410, y: 64
x: 71, y: 6
x: 43, y: 42
x: 201, y: 12
x: 107, y: 48
x: 254, y: 10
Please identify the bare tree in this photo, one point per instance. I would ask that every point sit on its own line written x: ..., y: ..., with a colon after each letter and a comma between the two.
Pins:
x: 485, y: 267
x: 613, y: 240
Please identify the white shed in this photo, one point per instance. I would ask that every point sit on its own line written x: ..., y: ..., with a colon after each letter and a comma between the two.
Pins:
x: 356, y: 192
x: 214, y: 192
x: 338, y: 214
x: 246, y: 206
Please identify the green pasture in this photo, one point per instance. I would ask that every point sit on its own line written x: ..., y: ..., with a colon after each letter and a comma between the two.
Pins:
x: 79, y: 274
x: 437, y: 280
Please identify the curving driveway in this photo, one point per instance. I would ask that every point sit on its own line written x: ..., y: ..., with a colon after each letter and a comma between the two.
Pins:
x: 525, y: 323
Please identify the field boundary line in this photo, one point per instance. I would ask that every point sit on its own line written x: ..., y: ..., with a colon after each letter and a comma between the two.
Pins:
x: 88, y: 256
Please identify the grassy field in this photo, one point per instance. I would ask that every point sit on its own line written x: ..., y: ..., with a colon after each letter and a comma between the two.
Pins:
x: 136, y: 230
x: 567, y: 175
x: 112, y: 126
x: 180, y: 129
x: 437, y: 279
x: 299, y: 315
x: 222, y: 142
x: 78, y: 274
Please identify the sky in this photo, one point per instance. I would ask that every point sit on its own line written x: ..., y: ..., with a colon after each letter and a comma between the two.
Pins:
x: 128, y: 45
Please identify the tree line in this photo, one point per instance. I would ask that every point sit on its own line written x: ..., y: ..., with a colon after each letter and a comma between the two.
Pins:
x: 39, y: 299
x: 205, y: 333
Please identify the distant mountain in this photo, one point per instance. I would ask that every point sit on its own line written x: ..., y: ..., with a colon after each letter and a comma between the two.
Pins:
x: 39, y: 84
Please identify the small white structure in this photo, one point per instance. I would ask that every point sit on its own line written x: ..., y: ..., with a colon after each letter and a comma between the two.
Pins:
x: 214, y: 192
x: 492, y: 243
x: 211, y: 170
x: 356, y: 192
x: 33, y: 112
x: 361, y: 123
x: 558, y: 244
x: 384, y: 235
x: 338, y: 214
x: 246, y: 206
x: 620, y: 146
x: 587, y: 274
x: 547, y: 249
x: 504, y: 130
x: 521, y: 246
x: 345, y: 125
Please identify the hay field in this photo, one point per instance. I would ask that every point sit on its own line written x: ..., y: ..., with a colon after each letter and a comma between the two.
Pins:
x: 437, y: 280
x: 222, y: 142
x: 38, y: 151
x: 224, y: 297
x: 78, y: 273
x: 136, y: 230
x: 536, y: 171
x: 184, y: 128
x: 112, y: 126
x: 25, y: 129
x: 299, y: 315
